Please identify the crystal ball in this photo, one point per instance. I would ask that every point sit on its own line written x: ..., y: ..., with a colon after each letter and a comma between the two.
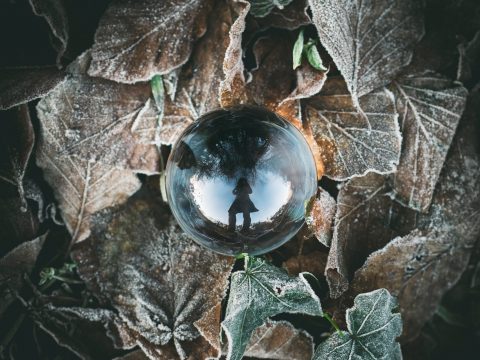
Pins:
x: 238, y: 180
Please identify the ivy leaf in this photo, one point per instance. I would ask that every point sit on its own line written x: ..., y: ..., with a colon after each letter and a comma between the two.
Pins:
x: 421, y: 266
x: 298, y: 50
x: 370, y: 42
x: 131, y: 30
x: 291, y: 17
x: 372, y: 330
x: 159, y: 281
x: 259, y: 292
x: 354, y: 142
x: 430, y: 108
x: 314, y: 58
x: 261, y: 8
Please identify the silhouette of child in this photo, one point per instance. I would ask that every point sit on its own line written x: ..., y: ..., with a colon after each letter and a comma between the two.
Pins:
x: 241, y: 204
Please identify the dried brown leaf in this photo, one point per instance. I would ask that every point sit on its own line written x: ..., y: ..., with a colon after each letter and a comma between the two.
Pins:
x: 279, y: 340
x: 136, y: 40
x: 21, y: 85
x: 367, y: 218
x: 309, y: 82
x: 160, y: 282
x: 369, y: 41
x: 232, y: 86
x: 55, y: 15
x: 421, y: 266
x: 353, y: 142
x: 102, y: 121
x: 197, y: 91
x: 313, y: 262
x: 430, y: 108
x: 320, y: 216
x: 14, y: 265
x: 16, y: 144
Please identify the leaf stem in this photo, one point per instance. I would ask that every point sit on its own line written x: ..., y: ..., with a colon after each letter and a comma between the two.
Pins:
x: 333, y: 323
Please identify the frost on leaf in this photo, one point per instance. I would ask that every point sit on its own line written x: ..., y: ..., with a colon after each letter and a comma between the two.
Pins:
x: 16, y: 144
x: 158, y: 280
x: 136, y: 40
x: 197, y: 90
x: 55, y: 15
x: 261, y: 8
x: 420, y: 267
x: 354, y: 142
x: 100, y: 121
x: 309, y: 82
x: 232, y: 85
x: 320, y: 216
x: 13, y: 267
x: 279, y: 340
x: 369, y: 41
x: 21, y: 85
x: 430, y: 108
x: 367, y: 218
x: 259, y: 292
x: 372, y: 331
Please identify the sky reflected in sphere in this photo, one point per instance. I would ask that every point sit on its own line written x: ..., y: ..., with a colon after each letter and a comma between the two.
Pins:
x: 238, y: 180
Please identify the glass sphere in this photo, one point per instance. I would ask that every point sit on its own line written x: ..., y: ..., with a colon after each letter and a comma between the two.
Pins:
x: 238, y: 180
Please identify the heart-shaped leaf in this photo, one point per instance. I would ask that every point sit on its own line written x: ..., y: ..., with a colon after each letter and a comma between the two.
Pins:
x: 259, y: 292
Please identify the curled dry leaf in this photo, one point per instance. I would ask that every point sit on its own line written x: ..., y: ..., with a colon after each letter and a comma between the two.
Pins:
x: 16, y: 144
x: 55, y: 14
x: 420, y: 267
x: 261, y: 8
x: 232, y: 86
x: 372, y: 331
x: 309, y: 82
x: 14, y: 265
x: 197, y: 91
x: 320, y: 216
x: 367, y: 218
x: 21, y: 85
x: 136, y: 40
x: 259, y: 292
x: 354, y: 142
x: 313, y: 262
x: 369, y: 41
x: 290, y: 17
x: 158, y: 280
x: 430, y: 108
x: 279, y: 340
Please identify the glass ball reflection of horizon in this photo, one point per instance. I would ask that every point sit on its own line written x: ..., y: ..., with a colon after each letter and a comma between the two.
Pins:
x: 238, y: 180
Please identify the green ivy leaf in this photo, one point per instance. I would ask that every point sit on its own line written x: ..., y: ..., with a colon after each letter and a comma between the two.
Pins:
x: 314, y: 58
x: 158, y: 92
x: 372, y: 331
x: 261, y: 8
x: 297, y: 50
x: 259, y: 292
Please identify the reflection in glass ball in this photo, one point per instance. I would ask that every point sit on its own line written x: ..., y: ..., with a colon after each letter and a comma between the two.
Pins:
x: 238, y: 180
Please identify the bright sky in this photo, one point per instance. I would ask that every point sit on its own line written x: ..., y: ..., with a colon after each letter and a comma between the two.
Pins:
x: 214, y: 196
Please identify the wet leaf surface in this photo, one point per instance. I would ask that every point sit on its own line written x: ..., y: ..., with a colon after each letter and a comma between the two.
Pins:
x: 420, y: 267
x: 372, y: 329
x: 21, y: 85
x: 131, y: 30
x: 430, y: 108
x: 370, y: 42
x: 259, y: 292
x: 158, y: 280
x: 354, y: 142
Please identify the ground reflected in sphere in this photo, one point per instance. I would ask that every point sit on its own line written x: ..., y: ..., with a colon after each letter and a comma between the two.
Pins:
x: 238, y: 180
